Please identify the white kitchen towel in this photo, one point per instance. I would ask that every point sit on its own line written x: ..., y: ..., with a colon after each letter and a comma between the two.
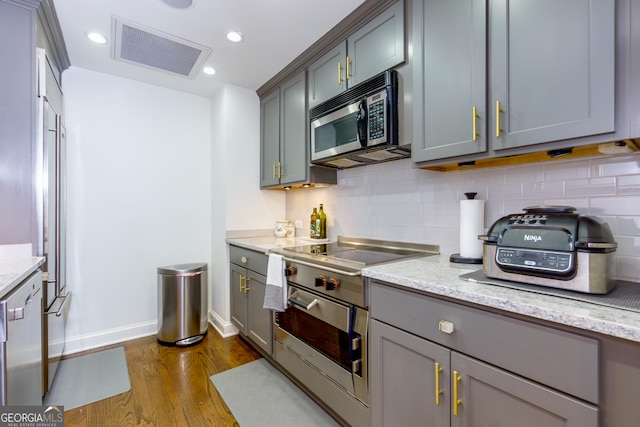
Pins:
x: 275, y: 295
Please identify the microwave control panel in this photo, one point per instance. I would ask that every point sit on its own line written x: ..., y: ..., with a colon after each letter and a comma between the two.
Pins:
x: 377, y: 118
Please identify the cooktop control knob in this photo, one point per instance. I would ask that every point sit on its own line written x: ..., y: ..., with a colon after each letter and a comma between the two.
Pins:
x: 289, y: 271
x: 332, y: 284
x: 321, y: 281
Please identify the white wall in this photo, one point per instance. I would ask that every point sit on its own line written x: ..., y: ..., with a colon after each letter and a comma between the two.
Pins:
x: 238, y: 204
x: 139, y: 197
x: 394, y: 201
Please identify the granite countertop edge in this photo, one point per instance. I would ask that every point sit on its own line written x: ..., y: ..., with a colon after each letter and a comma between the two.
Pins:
x: 15, y: 270
x: 436, y: 276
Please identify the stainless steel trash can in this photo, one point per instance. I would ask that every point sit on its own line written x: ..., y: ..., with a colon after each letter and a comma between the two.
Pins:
x: 182, y: 304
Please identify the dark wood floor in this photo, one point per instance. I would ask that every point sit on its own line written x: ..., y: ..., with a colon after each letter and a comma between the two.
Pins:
x: 169, y: 386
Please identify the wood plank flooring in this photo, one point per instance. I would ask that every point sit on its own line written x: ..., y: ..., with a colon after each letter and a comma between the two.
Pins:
x: 169, y: 386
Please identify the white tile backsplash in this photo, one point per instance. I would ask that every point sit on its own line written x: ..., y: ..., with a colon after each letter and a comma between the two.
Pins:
x: 396, y: 201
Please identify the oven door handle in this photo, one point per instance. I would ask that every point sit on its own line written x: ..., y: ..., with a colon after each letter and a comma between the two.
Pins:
x: 333, y: 270
x: 307, y: 307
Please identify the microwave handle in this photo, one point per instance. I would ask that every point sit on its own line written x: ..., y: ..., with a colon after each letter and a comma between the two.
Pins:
x: 361, y: 121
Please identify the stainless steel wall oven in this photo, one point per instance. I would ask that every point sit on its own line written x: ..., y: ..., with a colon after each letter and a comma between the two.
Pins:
x: 321, y: 338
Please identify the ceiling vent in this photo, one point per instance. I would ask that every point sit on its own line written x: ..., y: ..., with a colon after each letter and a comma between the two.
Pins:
x: 154, y: 49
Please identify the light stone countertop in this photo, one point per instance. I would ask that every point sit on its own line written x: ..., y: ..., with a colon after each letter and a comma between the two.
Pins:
x: 14, y: 270
x: 266, y: 243
x: 436, y: 276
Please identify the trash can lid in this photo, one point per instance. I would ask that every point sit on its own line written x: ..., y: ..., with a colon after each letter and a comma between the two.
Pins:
x: 193, y: 267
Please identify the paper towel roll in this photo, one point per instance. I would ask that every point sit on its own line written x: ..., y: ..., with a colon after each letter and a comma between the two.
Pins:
x: 471, y: 225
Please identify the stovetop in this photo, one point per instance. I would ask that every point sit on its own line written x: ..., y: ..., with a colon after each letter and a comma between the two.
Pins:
x: 357, y: 253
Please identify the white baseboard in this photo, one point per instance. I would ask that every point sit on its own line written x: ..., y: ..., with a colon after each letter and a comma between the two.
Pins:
x: 224, y: 328
x: 109, y: 337
x: 114, y: 336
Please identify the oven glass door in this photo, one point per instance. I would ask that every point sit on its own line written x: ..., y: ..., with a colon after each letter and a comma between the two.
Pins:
x: 324, y: 325
x: 336, y: 133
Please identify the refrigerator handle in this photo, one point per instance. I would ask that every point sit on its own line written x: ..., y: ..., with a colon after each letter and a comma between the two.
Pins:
x: 58, y: 132
x: 65, y: 304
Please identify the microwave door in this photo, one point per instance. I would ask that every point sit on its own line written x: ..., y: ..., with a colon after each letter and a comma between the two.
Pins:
x: 335, y: 133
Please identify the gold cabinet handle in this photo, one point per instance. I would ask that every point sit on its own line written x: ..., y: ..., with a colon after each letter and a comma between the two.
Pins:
x: 348, y: 68
x: 273, y: 171
x: 279, y: 170
x: 339, y: 73
x: 456, y: 402
x: 474, y: 123
x: 246, y: 285
x: 437, y: 370
x: 242, y: 279
x: 498, y: 111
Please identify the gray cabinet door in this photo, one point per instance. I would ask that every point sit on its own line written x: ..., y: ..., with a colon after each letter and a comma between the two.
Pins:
x: 269, y: 139
x: 408, y: 379
x: 260, y: 322
x: 293, y: 130
x: 485, y: 396
x: 327, y: 75
x: 238, y: 298
x: 378, y: 46
x: 550, y: 74
x: 449, y: 78
x: 17, y: 121
x: 551, y: 70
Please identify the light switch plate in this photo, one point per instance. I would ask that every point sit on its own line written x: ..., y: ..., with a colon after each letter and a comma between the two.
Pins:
x: 298, y: 223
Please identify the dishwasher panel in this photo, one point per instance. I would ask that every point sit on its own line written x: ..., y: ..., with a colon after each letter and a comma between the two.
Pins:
x: 21, y: 344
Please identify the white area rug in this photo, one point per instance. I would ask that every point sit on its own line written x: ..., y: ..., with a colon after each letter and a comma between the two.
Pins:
x: 259, y: 395
x: 87, y: 379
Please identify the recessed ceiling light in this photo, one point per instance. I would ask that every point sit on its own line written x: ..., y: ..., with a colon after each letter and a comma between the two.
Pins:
x: 96, y: 37
x: 235, y: 36
x: 209, y: 70
x: 179, y: 4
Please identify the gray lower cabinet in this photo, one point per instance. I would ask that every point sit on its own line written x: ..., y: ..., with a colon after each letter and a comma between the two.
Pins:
x: 377, y: 46
x: 404, y: 372
x: 437, y: 363
x: 248, y: 283
x: 507, y: 74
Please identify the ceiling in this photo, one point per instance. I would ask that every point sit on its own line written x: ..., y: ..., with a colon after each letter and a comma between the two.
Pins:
x: 275, y: 33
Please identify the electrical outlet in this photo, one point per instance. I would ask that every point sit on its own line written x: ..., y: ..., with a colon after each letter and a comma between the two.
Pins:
x: 298, y: 223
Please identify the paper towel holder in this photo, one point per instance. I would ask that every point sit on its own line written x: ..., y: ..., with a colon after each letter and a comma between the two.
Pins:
x: 459, y: 259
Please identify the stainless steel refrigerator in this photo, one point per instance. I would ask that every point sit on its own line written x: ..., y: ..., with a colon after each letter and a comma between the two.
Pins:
x: 50, y: 182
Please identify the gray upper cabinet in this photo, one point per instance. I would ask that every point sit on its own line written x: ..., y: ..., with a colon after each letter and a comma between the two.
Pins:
x: 326, y: 75
x: 269, y: 138
x: 375, y: 47
x: 449, y: 78
x: 552, y: 70
x: 283, y: 134
x: 551, y: 74
x: 24, y: 25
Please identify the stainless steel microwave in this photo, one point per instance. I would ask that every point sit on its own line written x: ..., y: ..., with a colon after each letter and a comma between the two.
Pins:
x: 349, y: 129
